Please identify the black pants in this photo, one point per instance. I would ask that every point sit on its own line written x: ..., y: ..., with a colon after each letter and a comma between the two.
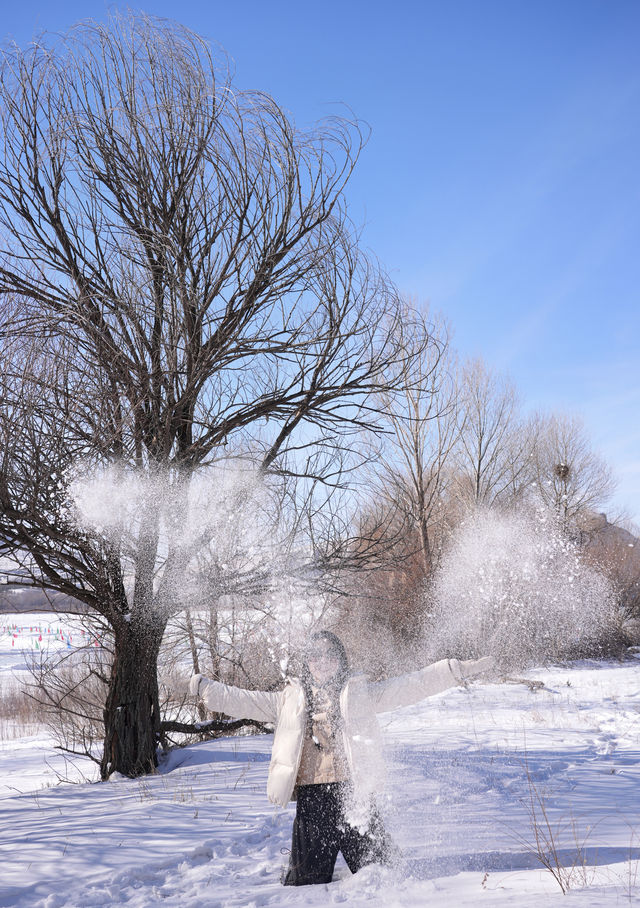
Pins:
x: 320, y: 832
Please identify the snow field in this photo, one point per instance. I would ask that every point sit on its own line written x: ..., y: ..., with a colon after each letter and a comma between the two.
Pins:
x: 470, y: 773
x: 30, y: 636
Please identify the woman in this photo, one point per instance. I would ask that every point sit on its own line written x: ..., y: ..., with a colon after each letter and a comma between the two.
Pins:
x: 327, y: 749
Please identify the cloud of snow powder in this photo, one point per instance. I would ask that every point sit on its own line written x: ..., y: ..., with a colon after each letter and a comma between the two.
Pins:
x: 514, y: 586
x: 220, y: 537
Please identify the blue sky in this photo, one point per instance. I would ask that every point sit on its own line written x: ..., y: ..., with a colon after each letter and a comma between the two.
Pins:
x: 501, y: 182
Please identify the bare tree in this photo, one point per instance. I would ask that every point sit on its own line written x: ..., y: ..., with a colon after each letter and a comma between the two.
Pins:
x: 422, y: 430
x: 399, y: 523
x: 571, y: 478
x: 493, y: 457
x: 179, y: 277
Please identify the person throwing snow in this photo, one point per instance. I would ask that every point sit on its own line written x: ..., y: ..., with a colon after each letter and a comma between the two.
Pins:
x: 327, y: 749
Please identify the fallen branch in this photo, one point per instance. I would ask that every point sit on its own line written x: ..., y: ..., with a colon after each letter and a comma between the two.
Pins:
x: 530, y: 683
x: 213, y: 726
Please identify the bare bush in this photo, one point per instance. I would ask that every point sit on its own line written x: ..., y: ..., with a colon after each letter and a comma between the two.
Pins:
x: 69, y: 689
x: 560, y: 847
x: 19, y: 714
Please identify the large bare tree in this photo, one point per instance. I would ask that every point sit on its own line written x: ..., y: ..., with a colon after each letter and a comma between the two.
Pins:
x: 179, y: 278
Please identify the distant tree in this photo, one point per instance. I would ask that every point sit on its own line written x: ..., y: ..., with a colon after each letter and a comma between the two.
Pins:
x: 421, y: 433
x: 400, y: 520
x: 179, y: 278
x: 572, y: 479
x: 493, y: 455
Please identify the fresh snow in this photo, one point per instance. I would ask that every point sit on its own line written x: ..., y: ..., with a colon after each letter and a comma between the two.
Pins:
x: 463, y: 768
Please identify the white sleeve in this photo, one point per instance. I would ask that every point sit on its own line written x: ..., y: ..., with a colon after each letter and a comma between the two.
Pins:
x: 403, y: 690
x: 260, y: 705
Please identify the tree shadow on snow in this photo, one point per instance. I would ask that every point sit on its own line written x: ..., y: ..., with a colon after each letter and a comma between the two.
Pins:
x: 503, y: 862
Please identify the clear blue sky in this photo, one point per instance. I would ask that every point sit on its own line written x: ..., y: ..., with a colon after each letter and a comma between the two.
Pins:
x: 501, y: 182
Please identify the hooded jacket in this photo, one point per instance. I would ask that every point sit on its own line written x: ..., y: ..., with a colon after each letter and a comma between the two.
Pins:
x: 360, y: 701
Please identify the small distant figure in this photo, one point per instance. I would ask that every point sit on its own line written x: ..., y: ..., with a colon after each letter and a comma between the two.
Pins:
x: 327, y: 750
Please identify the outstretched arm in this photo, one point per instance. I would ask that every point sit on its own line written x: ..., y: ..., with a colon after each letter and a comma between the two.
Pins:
x: 260, y: 705
x: 404, y: 690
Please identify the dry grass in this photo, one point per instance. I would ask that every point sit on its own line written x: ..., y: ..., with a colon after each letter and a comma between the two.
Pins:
x: 20, y: 714
x: 569, y: 866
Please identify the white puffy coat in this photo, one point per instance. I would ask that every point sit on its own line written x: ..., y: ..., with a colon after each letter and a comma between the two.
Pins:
x: 360, y: 700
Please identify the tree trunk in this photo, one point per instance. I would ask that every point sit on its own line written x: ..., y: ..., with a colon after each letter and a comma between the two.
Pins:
x: 213, y: 642
x: 426, y: 546
x: 202, y: 712
x: 132, y: 709
x: 192, y: 641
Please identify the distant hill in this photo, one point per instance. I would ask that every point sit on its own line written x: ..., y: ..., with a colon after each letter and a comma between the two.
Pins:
x: 31, y: 599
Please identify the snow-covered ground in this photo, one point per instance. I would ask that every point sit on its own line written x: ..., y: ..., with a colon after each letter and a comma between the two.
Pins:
x: 472, y: 774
